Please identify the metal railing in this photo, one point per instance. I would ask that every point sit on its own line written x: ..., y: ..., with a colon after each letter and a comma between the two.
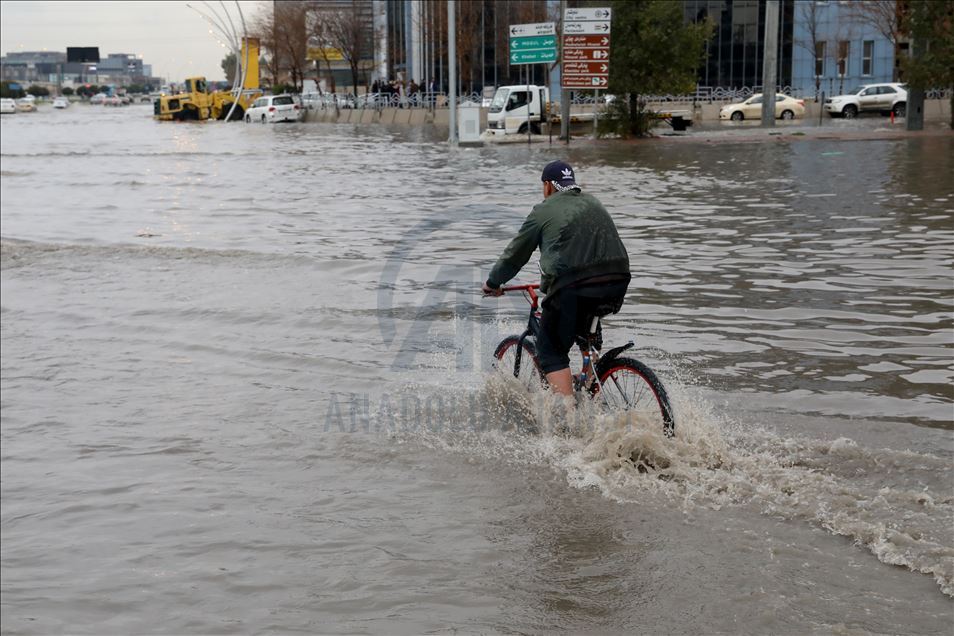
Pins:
x: 432, y: 100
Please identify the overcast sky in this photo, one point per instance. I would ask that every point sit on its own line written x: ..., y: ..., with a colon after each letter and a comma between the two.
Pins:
x: 167, y: 34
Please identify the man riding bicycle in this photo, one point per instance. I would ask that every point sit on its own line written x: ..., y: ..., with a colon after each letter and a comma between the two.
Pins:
x: 585, y: 267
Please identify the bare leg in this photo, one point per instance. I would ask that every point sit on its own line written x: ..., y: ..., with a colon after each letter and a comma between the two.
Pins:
x: 561, y: 381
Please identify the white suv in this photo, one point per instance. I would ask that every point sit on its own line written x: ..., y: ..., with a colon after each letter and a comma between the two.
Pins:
x: 883, y: 98
x: 272, y: 108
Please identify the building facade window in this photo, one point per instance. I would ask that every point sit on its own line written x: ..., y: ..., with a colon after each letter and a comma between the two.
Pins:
x: 867, y: 57
x: 844, y: 48
x: 820, y: 59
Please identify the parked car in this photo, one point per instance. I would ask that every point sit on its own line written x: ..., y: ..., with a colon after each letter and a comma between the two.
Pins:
x: 7, y: 106
x: 61, y: 102
x: 882, y: 98
x: 273, y: 108
x: 26, y: 104
x: 113, y: 100
x: 785, y: 108
x: 98, y: 98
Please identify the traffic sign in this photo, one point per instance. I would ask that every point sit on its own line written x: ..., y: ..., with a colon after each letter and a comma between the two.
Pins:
x: 587, y: 15
x: 587, y: 41
x: 533, y: 43
x: 586, y: 28
x: 534, y: 57
x: 586, y: 68
x: 584, y: 81
x: 586, y: 47
x: 540, y: 28
x: 581, y: 55
x: 523, y: 44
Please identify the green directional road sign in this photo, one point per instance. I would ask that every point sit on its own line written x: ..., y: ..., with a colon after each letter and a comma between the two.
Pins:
x: 522, y: 44
x: 533, y: 43
x: 533, y: 57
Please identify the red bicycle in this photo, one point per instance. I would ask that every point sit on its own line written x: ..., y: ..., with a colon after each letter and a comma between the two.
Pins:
x: 623, y: 383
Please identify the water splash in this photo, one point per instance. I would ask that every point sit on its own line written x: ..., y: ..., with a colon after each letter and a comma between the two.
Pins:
x: 890, y: 502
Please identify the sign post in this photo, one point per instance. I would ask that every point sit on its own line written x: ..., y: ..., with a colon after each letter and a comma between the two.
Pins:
x: 586, y: 51
x: 532, y: 44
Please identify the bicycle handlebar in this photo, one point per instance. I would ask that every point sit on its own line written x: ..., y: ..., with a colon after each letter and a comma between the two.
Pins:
x: 529, y: 290
x: 520, y: 287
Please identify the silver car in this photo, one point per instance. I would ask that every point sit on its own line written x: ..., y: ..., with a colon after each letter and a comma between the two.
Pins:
x: 882, y: 98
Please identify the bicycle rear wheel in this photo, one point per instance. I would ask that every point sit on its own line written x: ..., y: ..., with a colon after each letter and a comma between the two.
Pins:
x: 505, y: 359
x: 629, y: 385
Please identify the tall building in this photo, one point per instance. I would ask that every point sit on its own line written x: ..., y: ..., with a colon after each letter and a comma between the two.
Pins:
x: 734, y: 54
x: 835, y: 50
x: 823, y: 41
x: 407, y: 40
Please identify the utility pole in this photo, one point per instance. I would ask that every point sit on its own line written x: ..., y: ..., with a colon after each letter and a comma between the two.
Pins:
x: 769, y: 63
x: 452, y: 68
x: 564, y: 93
x: 914, y: 109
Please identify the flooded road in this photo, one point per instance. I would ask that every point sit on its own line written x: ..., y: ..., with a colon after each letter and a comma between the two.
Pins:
x: 246, y: 387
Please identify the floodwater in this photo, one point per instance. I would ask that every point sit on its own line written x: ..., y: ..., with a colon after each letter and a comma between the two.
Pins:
x: 246, y: 387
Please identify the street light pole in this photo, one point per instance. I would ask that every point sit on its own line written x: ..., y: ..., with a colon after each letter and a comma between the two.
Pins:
x: 564, y: 93
x: 452, y: 68
x: 769, y: 59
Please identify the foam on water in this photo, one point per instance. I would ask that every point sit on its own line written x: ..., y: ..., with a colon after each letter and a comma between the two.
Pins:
x: 895, y: 503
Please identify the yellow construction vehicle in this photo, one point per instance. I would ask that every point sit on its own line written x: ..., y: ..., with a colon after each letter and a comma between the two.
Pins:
x: 196, y: 103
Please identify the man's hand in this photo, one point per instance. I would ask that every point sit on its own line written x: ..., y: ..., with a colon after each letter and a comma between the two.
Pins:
x: 491, y: 291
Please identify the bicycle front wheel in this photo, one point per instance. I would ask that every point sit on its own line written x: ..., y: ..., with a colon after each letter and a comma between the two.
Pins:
x: 629, y: 385
x: 524, y: 366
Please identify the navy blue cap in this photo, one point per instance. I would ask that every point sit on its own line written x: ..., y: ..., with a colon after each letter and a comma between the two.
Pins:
x: 561, y: 172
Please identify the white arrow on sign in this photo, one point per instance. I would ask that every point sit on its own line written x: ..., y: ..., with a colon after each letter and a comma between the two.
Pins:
x: 598, y: 81
x: 600, y: 54
x: 586, y: 28
x: 583, y: 15
x: 539, y: 28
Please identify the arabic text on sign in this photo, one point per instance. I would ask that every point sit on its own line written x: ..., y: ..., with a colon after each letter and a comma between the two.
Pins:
x: 588, y: 14
x: 539, y: 28
x: 582, y: 55
x: 586, y: 28
x: 585, y: 68
x: 584, y: 81
x: 586, y: 41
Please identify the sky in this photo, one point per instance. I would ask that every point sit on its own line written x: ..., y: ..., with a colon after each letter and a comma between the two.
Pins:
x: 167, y: 34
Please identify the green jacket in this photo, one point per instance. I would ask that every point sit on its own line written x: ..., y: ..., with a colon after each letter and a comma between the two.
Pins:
x: 577, y: 240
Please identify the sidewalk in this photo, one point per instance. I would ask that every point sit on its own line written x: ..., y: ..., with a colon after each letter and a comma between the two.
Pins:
x: 849, y: 130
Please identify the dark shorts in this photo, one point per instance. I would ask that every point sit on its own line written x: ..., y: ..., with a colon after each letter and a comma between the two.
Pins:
x: 569, y: 313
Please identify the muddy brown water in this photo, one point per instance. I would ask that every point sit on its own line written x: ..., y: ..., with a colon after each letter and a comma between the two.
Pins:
x: 246, y: 387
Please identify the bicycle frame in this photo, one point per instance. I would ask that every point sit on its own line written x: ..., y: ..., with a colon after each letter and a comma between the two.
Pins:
x: 590, y: 355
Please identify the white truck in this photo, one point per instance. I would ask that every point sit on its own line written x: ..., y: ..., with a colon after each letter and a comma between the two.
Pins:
x: 513, y: 109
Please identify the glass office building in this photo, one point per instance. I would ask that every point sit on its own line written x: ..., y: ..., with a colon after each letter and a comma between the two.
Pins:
x: 734, y: 55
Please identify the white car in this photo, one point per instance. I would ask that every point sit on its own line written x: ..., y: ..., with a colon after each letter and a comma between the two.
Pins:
x: 61, y: 102
x: 273, y: 108
x: 882, y: 98
x: 785, y: 108
x: 7, y: 106
x: 98, y: 98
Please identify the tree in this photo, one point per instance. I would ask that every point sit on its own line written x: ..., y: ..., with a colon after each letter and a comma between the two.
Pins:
x: 342, y: 29
x: 67, y: 91
x: 814, y: 43
x: 282, y: 31
x: 7, y: 91
x: 228, y: 65
x: 38, y: 91
x: 882, y: 15
x: 653, y: 52
x: 930, y: 25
